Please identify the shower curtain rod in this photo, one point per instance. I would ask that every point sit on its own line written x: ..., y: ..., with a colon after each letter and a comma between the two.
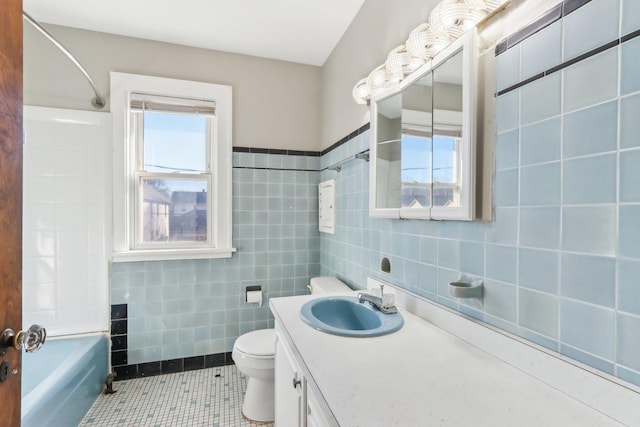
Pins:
x: 98, y: 101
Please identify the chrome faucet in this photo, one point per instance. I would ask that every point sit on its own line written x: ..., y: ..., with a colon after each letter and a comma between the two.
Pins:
x: 377, y: 302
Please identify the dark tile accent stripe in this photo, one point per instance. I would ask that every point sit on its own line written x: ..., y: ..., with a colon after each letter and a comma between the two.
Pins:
x: 541, y: 23
x: 565, y: 64
x: 119, y: 327
x: 172, y: 366
x: 275, y: 151
x: 501, y: 47
x: 344, y: 140
x: 119, y: 358
x: 213, y: 360
x: 630, y: 36
x: 126, y: 372
x: 118, y: 311
x: 275, y: 169
x: 192, y: 363
x: 569, y: 6
x: 118, y: 342
x: 149, y: 369
x: 522, y: 83
x: 584, y: 56
x: 552, y: 15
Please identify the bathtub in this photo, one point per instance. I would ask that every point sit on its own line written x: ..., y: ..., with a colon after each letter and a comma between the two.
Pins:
x: 61, y: 381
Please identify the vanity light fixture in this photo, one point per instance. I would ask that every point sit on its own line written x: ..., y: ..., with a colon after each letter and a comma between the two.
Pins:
x: 447, y: 22
x: 425, y: 43
x: 401, y: 63
x: 381, y: 79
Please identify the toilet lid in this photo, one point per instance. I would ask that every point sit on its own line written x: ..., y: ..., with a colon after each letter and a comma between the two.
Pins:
x: 258, y: 343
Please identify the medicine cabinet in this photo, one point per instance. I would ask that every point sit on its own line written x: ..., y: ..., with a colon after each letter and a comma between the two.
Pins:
x: 423, y: 140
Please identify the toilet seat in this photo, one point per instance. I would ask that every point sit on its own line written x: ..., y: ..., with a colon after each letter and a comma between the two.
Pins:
x: 258, y: 344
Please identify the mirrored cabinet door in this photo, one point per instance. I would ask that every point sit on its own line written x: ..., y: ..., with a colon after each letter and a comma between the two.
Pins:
x: 416, y: 147
x: 447, y: 132
x: 454, y: 86
x: 423, y: 137
x: 385, y: 196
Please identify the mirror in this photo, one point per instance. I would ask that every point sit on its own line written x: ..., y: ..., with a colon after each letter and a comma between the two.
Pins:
x: 388, y: 152
x: 423, y: 140
x: 416, y: 149
x: 447, y: 129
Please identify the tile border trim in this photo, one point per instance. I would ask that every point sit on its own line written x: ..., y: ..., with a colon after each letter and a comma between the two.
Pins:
x: 275, y: 151
x: 362, y: 129
x: 570, y: 62
x: 552, y: 15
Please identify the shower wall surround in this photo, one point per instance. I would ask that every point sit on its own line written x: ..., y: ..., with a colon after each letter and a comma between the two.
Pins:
x: 189, y: 313
x: 65, y: 281
x: 561, y: 261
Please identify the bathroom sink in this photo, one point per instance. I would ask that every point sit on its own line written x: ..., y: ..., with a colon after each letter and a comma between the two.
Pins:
x: 345, y: 316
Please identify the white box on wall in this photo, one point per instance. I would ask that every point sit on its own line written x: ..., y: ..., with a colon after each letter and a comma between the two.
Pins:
x: 327, y: 206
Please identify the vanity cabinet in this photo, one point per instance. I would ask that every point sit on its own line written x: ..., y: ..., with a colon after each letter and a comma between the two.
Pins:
x: 290, y: 387
x: 315, y: 416
x: 296, y: 403
x: 423, y: 140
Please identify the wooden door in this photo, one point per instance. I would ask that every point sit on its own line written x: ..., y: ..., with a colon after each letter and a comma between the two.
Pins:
x: 11, y: 199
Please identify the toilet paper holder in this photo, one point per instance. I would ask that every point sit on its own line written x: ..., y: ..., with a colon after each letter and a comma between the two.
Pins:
x: 253, y: 295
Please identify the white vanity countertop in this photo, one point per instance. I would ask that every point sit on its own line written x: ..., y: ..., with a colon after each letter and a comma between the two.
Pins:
x: 423, y: 376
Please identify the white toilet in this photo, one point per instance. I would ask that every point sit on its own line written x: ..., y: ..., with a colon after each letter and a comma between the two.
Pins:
x: 254, y: 352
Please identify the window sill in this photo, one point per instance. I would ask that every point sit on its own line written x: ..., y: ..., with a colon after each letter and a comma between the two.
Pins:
x: 171, y: 254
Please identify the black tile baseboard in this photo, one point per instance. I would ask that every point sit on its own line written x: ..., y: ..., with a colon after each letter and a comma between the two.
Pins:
x: 127, y: 372
x: 119, y: 354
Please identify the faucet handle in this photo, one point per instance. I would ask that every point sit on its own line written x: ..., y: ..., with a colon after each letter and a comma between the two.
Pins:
x: 388, y: 301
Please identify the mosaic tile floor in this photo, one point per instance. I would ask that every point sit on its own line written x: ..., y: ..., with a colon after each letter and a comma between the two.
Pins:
x: 206, y: 397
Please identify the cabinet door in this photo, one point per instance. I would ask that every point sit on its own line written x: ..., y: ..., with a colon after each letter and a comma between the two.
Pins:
x: 315, y: 417
x: 289, y: 385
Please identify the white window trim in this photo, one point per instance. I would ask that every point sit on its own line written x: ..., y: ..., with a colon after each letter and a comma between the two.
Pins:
x: 123, y: 171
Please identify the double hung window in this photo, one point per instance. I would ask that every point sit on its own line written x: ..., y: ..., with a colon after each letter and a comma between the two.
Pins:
x: 174, y: 198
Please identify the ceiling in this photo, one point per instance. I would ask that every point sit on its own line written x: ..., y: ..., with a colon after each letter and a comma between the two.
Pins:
x: 303, y: 31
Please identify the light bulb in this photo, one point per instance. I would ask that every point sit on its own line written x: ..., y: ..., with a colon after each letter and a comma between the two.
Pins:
x: 457, y: 17
x: 424, y: 43
x: 401, y: 63
x: 381, y: 79
x: 361, y: 92
x: 492, y: 5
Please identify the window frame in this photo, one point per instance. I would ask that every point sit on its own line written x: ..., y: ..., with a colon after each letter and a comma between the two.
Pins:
x: 127, y: 179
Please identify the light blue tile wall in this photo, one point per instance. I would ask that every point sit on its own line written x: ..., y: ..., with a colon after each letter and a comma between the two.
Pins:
x: 194, y: 307
x: 561, y: 260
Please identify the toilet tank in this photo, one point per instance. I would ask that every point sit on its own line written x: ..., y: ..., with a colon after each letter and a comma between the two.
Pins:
x: 327, y: 285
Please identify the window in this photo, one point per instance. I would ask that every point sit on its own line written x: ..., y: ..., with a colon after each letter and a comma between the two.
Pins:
x: 172, y: 169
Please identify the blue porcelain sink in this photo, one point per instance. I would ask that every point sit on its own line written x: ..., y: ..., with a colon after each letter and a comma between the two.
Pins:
x: 345, y: 316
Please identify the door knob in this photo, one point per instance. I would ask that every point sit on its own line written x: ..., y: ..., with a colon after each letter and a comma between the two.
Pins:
x: 31, y: 339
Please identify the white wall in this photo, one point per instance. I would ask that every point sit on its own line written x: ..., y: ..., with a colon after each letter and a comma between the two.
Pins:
x: 379, y: 26
x: 276, y: 104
